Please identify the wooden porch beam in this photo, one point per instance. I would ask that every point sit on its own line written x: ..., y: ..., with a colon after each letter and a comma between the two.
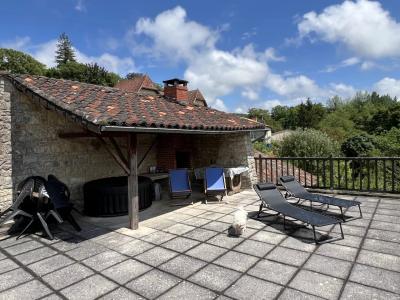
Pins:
x: 115, y: 155
x: 148, y: 151
x: 118, y: 150
x: 133, y: 195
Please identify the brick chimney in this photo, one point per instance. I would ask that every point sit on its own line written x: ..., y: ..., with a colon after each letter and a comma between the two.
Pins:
x: 176, y: 89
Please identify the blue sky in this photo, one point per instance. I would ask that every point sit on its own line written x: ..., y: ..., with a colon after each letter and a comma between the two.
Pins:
x: 240, y: 54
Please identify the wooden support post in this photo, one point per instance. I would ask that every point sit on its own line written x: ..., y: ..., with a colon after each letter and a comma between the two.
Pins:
x: 133, y: 195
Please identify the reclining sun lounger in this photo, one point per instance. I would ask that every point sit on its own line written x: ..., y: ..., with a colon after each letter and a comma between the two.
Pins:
x: 214, y: 182
x: 295, y: 189
x: 272, y: 199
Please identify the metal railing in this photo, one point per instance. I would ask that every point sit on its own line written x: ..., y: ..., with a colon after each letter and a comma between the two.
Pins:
x: 370, y: 174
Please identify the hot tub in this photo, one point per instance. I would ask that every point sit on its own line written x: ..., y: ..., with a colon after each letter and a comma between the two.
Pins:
x: 108, y: 197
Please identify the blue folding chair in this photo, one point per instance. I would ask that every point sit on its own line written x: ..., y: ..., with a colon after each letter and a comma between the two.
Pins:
x: 179, y: 184
x: 214, y: 182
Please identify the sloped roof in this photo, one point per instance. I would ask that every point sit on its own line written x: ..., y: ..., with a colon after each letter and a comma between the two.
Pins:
x: 196, y: 95
x: 105, y: 106
x: 136, y: 83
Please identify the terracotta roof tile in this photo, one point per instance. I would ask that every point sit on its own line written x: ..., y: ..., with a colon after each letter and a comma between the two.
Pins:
x: 111, y: 106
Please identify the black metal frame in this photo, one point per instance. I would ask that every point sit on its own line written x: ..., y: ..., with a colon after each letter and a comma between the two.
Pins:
x: 262, y: 204
x: 342, y: 215
x: 365, y: 174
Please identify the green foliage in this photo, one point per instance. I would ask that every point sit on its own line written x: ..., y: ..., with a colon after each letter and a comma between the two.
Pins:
x: 133, y: 75
x: 270, y: 150
x: 20, y: 63
x: 358, y: 146
x: 309, y: 114
x: 98, y: 75
x: 263, y: 116
x: 286, y: 116
x: 308, y: 142
x: 69, y: 70
x: 64, y: 53
x: 389, y: 142
x: 385, y: 119
x: 89, y: 73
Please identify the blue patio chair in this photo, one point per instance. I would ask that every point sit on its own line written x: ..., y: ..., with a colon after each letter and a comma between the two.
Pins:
x: 179, y: 184
x: 214, y: 182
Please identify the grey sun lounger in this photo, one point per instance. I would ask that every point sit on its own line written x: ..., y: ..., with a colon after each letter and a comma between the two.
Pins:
x: 295, y: 189
x: 272, y: 199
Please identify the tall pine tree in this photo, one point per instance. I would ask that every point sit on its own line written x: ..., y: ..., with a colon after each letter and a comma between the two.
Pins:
x: 65, y: 53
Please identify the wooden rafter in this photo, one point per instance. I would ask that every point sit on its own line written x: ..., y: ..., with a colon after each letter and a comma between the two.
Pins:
x: 115, y: 155
x: 118, y: 150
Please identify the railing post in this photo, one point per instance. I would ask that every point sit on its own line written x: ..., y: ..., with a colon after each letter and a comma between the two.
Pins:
x: 260, y: 167
x: 331, y: 172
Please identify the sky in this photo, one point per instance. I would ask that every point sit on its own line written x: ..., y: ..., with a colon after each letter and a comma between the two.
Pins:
x: 240, y: 54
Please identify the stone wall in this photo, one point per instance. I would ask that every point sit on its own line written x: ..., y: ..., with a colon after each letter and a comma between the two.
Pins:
x: 37, y: 149
x: 225, y: 150
x: 6, y: 187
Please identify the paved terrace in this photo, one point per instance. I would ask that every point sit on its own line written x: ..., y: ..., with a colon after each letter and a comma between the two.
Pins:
x: 185, y: 253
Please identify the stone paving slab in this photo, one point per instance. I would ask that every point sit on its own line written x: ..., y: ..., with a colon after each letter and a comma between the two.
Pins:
x: 250, y: 288
x: 153, y: 284
x: 30, y: 290
x: 126, y: 271
x: 187, y: 254
x: 67, y: 276
x: 89, y: 288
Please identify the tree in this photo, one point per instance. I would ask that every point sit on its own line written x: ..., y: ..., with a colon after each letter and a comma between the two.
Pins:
x: 69, y: 70
x: 263, y: 116
x: 89, y: 73
x: 133, y: 75
x: 64, y: 53
x: 384, y: 120
x: 358, y: 146
x: 389, y: 142
x: 20, y: 63
x: 309, y: 114
x: 98, y: 75
x: 308, y: 143
x: 286, y: 116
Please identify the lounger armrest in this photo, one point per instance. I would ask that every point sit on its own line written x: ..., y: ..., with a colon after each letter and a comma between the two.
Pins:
x: 265, y: 186
x: 287, y: 178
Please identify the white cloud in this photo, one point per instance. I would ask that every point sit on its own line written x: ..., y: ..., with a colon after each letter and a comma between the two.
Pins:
x: 269, y: 104
x: 80, y: 6
x: 363, y: 27
x: 218, y: 104
x: 250, y: 94
x: 293, y: 87
x: 343, y: 64
x: 388, y: 86
x: 45, y: 53
x: 113, y: 63
x: 17, y: 44
x: 271, y: 55
x: 171, y: 33
x: 342, y: 90
x: 171, y: 36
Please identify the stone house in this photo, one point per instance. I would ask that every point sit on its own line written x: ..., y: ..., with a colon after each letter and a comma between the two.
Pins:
x: 69, y: 129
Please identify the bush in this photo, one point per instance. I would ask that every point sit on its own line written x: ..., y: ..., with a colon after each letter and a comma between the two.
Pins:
x: 20, y: 63
x: 358, y: 146
x: 389, y: 142
x: 308, y: 142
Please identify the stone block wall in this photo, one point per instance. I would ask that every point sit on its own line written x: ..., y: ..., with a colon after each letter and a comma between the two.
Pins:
x: 32, y: 131
x: 6, y: 187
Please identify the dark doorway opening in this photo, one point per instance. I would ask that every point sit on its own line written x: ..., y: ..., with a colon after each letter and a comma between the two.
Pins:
x: 183, y: 159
